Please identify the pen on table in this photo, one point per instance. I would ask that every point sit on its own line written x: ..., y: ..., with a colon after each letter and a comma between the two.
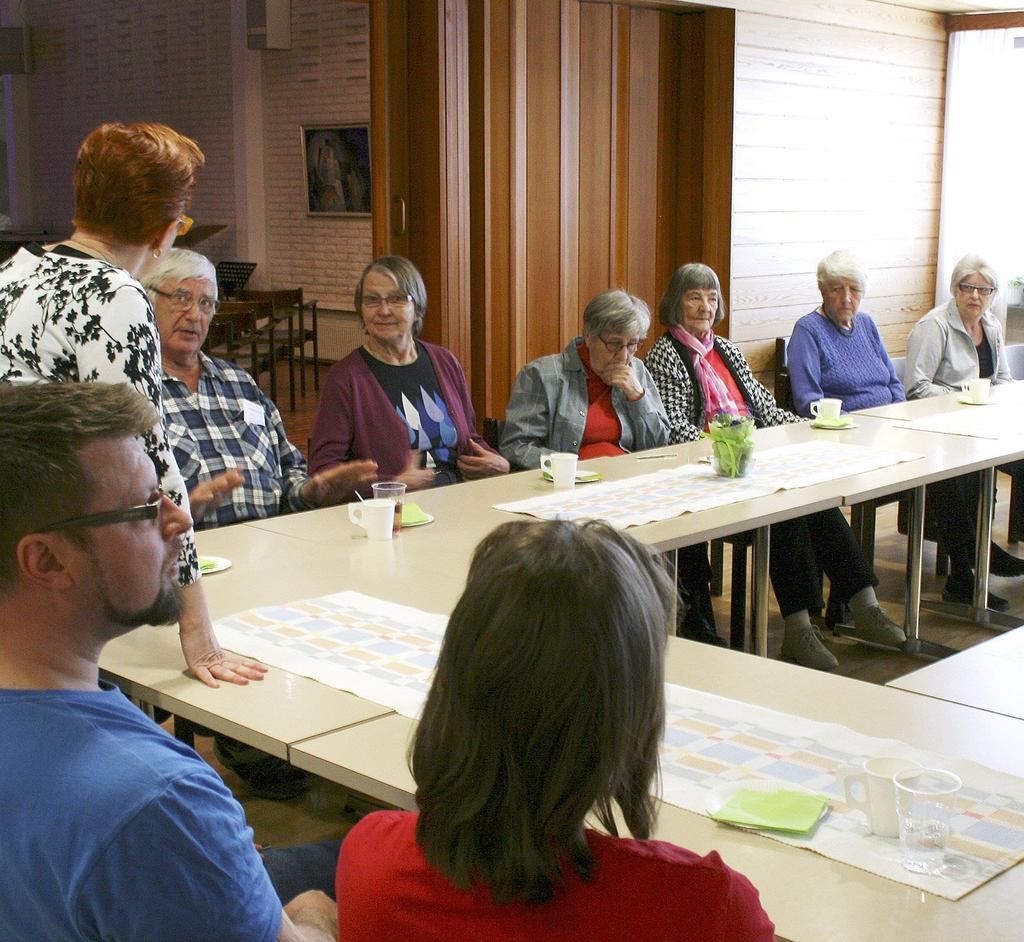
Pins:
x: 655, y: 457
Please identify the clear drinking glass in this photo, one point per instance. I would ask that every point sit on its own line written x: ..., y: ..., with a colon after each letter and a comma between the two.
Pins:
x: 925, y: 805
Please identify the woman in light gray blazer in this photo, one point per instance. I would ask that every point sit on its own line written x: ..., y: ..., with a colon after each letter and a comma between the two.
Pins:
x: 955, y: 342
x: 961, y: 339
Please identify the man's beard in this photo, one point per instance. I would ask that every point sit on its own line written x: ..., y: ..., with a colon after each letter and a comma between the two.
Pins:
x: 165, y: 609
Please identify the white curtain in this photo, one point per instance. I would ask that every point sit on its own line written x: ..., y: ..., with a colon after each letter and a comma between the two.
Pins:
x: 983, y: 155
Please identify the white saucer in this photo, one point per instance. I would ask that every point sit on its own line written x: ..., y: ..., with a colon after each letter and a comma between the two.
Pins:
x: 836, y: 426
x: 971, y: 402
x: 214, y: 564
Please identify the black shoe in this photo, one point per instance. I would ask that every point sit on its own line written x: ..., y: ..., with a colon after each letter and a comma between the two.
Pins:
x: 1002, y: 563
x: 266, y: 776
x: 699, y: 629
x: 964, y: 594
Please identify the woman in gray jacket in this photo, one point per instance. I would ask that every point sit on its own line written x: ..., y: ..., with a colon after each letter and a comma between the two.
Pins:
x: 959, y: 340
x: 955, y: 342
x: 595, y: 398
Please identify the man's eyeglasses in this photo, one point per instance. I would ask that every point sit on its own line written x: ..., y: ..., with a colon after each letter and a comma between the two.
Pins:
x: 147, y: 511
x: 983, y: 290
x: 617, y: 346
x: 184, y: 224
x: 391, y: 300
x: 183, y: 301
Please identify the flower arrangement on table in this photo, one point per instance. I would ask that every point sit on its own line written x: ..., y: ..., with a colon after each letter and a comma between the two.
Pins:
x: 732, y: 444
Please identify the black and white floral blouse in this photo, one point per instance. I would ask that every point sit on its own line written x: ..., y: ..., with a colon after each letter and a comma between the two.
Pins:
x: 66, y: 317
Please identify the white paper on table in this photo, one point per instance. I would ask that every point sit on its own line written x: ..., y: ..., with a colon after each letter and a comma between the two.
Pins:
x: 710, y: 740
x: 662, y: 495
x: 975, y: 422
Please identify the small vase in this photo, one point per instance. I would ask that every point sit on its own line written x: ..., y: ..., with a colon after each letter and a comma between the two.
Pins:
x: 731, y: 460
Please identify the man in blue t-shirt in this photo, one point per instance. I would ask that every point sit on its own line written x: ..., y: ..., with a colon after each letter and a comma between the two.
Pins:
x: 109, y: 828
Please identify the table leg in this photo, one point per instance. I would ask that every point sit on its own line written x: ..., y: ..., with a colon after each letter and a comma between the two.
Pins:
x: 915, y: 645
x: 978, y: 611
x: 759, y: 592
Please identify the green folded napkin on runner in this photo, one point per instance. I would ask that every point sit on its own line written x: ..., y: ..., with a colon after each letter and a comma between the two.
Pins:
x: 582, y: 477
x: 796, y: 812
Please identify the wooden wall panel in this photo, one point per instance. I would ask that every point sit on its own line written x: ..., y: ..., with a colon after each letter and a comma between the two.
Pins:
x: 543, y: 178
x: 595, y: 148
x: 642, y: 211
x: 838, y: 144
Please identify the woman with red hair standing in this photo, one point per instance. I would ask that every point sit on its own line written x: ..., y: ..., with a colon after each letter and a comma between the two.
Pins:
x: 76, y: 312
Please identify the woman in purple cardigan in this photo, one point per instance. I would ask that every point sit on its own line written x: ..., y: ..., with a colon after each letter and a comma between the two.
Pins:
x: 397, y: 400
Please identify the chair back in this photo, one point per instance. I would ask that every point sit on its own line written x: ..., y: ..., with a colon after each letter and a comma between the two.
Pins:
x: 783, y: 389
x: 492, y: 431
x: 899, y: 364
x: 1015, y: 359
x: 281, y: 298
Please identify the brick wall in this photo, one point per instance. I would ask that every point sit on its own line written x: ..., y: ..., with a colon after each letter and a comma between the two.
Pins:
x: 322, y: 80
x: 108, y: 60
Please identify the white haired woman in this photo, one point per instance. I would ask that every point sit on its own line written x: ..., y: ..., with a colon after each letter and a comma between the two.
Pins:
x: 701, y: 374
x: 836, y: 350
x: 961, y: 339
x: 596, y: 399
x: 954, y: 342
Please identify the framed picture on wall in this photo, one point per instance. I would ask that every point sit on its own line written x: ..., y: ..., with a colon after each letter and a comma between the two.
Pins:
x: 337, y: 161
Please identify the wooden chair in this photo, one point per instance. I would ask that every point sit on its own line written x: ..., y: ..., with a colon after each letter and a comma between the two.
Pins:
x: 287, y: 302
x: 249, y: 324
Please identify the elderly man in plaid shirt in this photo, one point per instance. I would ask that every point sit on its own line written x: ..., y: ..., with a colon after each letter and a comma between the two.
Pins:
x: 218, y: 419
x: 224, y: 429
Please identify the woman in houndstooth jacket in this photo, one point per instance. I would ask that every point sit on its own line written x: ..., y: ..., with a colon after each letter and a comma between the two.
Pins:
x: 699, y: 375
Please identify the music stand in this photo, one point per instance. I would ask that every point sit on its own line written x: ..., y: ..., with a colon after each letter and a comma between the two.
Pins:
x: 232, y: 276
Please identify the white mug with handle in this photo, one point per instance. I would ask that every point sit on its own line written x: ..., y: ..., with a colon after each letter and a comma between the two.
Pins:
x: 562, y: 468
x: 375, y: 516
x: 879, y: 793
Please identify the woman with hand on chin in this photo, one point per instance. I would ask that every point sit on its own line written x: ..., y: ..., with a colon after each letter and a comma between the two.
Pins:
x: 397, y: 400
x: 701, y: 374
x: 76, y: 313
x: 596, y: 399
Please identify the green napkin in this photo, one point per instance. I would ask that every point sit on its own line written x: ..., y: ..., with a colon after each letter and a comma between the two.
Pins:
x: 582, y: 477
x: 796, y: 812
x: 413, y: 514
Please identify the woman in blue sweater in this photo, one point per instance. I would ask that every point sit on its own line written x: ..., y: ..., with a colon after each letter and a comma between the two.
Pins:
x: 835, y: 350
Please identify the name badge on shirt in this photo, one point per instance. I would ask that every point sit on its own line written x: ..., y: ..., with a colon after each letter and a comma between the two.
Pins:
x: 253, y: 413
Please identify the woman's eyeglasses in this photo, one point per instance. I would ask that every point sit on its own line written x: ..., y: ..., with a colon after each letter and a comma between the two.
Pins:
x: 983, y: 290
x: 617, y: 346
x: 391, y: 300
x: 184, y: 224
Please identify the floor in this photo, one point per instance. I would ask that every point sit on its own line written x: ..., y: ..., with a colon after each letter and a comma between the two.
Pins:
x: 327, y: 811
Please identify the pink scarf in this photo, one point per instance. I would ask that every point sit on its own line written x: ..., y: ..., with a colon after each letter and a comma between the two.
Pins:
x: 716, y: 393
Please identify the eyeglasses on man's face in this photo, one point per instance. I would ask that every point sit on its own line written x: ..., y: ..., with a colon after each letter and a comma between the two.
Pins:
x: 183, y: 300
x: 148, y: 511
x: 616, y: 347
x: 983, y: 290
x: 395, y: 299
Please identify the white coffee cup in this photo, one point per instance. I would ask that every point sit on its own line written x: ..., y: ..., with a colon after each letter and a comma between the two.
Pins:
x: 375, y: 516
x: 877, y: 792
x: 562, y: 468
x: 977, y: 390
x: 827, y: 409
